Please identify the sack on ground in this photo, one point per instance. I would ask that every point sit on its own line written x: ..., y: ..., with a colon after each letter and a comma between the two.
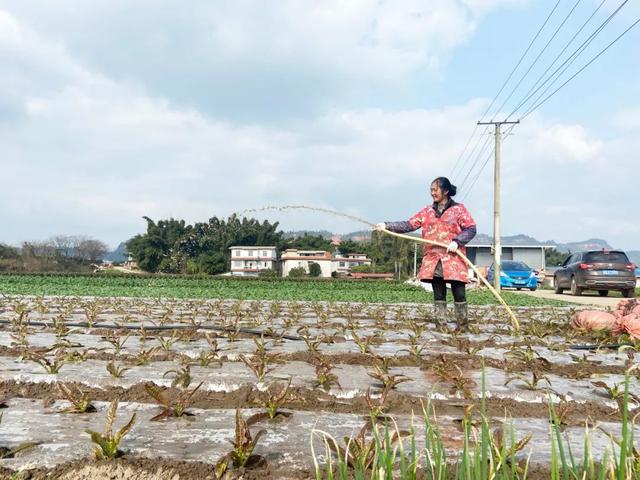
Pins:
x: 592, y: 320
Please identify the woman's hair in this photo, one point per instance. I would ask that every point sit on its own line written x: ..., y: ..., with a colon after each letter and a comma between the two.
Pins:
x: 446, y: 186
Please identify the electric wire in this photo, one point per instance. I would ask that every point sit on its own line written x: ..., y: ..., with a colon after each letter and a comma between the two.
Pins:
x: 557, y: 73
x: 535, y: 60
x: 527, y: 95
x: 487, y: 143
x: 573, y: 56
x: 501, y: 89
x: 540, y: 103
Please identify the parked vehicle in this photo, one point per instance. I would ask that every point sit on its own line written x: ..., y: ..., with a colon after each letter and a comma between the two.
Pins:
x: 516, y: 275
x: 600, y: 270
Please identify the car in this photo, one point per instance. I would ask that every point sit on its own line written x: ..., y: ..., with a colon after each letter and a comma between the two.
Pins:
x: 600, y: 270
x: 516, y: 275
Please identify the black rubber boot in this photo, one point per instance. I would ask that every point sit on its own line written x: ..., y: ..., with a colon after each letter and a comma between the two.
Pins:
x: 462, y: 314
x: 440, y: 311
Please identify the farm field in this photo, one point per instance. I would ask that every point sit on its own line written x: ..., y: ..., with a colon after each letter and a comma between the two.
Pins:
x: 221, y: 388
x: 169, y: 286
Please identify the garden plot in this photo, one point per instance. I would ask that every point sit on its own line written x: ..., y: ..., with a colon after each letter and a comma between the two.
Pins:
x: 319, y: 368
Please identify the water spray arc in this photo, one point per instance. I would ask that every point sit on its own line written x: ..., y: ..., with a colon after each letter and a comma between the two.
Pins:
x: 514, y: 320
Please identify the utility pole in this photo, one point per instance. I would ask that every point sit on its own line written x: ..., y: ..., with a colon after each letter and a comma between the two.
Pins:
x: 497, y: 246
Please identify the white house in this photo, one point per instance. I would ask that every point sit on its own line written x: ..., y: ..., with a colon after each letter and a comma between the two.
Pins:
x: 342, y: 264
x: 248, y: 261
x: 294, y: 258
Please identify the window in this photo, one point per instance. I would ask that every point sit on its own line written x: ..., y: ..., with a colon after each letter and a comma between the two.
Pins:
x: 251, y: 253
x: 264, y: 253
x: 341, y: 264
x: 606, y: 257
x: 265, y: 264
x: 237, y: 253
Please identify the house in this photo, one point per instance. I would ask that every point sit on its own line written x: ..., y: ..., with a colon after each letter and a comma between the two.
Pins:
x: 532, y: 255
x: 344, y: 263
x: 249, y: 261
x: 294, y: 258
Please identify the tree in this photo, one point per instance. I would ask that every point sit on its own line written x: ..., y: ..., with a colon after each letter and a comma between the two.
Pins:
x: 172, y: 246
x: 7, y: 251
x: 554, y: 257
x: 297, y: 272
x: 90, y: 250
x: 350, y: 246
x: 309, y: 242
x: 314, y: 269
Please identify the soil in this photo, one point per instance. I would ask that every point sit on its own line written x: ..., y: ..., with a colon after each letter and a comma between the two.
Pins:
x: 434, y: 369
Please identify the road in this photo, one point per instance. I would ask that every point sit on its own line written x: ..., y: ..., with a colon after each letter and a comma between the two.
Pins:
x: 587, y: 298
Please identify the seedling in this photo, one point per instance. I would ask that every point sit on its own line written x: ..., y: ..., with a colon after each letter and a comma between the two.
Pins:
x: 205, y: 358
x: 461, y: 383
x: 6, y: 452
x: 259, y: 364
x: 181, y: 378
x: 80, y: 401
x: 116, y: 371
x: 167, y: 342
x: 51, y: 365
x: 324, y: 377
x: 313, y: 343
x: 360, y: 452
x: 387, y: 380
x: 616, y: 392
x: 116, y: 340
x: 364, y: 343
x: 143, y: 357
x: 176, y: 407
x: 244, y: 443
x: 275, y: 399
x: 529, y: 384
x: 108, y: 443
x: 377, y: 409
x: 504, y: 452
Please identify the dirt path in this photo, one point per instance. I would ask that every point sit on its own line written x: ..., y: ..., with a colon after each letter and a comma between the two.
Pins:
x: 587, y: 298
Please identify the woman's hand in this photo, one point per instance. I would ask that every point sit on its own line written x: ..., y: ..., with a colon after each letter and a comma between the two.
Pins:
x: 380, y: 226
x: 452, y: 247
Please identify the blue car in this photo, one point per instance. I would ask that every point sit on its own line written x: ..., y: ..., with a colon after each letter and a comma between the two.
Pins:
x: 514, y: 274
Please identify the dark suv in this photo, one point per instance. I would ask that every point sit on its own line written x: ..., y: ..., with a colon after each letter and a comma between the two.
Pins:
x: 600, y: 270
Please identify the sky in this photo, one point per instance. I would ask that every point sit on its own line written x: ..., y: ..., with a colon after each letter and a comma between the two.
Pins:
x: 110, y: 111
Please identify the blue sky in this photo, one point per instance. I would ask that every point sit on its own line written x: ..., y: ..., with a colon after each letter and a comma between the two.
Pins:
x: 111, y: 111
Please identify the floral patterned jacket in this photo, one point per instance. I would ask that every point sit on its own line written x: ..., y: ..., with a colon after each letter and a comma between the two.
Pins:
x: 453, y: 223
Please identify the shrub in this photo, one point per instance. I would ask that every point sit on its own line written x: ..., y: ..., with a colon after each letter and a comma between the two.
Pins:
x: 314, y: 269
x: 297, y: 272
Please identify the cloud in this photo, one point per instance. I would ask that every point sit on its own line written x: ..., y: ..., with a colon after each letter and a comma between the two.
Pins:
x: 253, y: 61
x: 91, y: 145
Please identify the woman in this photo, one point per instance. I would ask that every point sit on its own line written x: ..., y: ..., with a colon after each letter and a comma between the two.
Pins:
x: 447, y: 222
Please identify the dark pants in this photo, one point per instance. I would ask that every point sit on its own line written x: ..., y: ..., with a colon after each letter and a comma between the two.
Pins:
x: 440, y: 289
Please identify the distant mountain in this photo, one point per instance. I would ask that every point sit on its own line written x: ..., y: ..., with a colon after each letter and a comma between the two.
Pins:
x: 118, y: 255
x: 591, y: 244
x: 314, y: 233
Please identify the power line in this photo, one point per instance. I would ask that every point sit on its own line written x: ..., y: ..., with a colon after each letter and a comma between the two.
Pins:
x: 535, y: 60
x: 506, y: 134
x: 478, y: 156
x: 557, y: 57
x: 537, y: 105
x: 475, y: 147
x: 502, y: 88
x: 564, y: 66
x: 521, y: 59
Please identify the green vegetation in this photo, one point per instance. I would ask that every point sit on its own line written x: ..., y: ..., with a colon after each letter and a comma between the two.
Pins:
x: 554, y: 257
x: 239, y: 288
x: 382, y: 451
